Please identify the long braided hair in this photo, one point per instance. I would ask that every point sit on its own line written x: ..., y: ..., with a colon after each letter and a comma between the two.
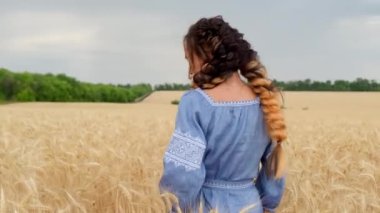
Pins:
x: 224, y: 51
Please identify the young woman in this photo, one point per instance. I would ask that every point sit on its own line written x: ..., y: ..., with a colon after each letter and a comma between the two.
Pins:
x: 225, y: 127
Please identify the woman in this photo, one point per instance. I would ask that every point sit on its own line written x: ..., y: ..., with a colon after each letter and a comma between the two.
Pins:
x: 225, y: 127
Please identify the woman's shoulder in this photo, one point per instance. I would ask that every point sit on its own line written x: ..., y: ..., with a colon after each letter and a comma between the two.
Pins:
x: 205, y: 99
x: 192, y: 98
x: 199, y: 98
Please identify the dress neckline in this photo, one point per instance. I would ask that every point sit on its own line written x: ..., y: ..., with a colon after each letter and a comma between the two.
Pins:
x: 227, y: 103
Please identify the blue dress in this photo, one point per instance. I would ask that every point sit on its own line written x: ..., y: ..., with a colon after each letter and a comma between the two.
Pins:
x: 214, y: 154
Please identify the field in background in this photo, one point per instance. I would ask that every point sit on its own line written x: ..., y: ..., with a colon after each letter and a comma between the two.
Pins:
x: 98, y: 157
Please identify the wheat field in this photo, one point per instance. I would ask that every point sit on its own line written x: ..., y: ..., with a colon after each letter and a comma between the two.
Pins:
x: 102, y: 157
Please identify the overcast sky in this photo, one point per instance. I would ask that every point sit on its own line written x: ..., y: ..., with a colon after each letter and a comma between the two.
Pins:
x: 141, y: 41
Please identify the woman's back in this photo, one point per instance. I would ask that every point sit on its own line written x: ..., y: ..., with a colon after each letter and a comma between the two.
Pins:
x: 235, y: 134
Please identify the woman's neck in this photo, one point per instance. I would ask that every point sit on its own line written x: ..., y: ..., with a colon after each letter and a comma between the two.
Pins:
x: 234, y: 81
x: 233, y: 88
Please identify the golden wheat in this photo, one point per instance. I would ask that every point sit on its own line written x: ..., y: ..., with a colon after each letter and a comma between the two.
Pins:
x: 97, y: 157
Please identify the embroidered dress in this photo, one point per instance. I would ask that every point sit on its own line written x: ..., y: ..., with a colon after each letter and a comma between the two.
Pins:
x: 214, y: 155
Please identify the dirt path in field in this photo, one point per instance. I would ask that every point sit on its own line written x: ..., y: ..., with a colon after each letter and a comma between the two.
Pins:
x: 163, y: 97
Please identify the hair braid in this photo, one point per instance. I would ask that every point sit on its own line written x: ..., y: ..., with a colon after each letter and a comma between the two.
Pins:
x: 257, y: 77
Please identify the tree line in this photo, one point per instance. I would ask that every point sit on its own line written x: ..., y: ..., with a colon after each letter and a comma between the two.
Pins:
x: 172, y: 86
x: 359, y: 84
x: 26, y: 86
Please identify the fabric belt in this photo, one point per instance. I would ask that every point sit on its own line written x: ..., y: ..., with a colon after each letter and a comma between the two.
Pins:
x: 223, y: 184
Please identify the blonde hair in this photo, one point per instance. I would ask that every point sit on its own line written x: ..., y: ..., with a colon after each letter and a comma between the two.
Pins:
x: 256, y: 75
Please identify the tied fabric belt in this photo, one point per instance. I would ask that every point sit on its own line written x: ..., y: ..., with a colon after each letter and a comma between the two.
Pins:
x: 223, y: 184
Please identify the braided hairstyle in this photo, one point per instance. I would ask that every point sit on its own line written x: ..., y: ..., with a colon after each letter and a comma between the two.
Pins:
x: 224, y: 51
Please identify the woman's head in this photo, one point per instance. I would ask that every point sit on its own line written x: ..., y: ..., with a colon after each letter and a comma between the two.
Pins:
x: 215, y: 50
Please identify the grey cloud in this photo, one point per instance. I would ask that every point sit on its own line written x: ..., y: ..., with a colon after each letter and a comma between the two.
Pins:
x: 140, y: 41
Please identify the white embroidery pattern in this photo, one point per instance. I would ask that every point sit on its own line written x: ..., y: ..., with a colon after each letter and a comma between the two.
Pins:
x: 185, y: 150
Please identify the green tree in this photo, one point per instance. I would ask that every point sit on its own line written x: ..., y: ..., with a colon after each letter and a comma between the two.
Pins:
x: 27, y: 94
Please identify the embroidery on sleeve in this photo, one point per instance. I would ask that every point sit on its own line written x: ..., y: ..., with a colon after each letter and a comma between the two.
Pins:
x: 185, y: 150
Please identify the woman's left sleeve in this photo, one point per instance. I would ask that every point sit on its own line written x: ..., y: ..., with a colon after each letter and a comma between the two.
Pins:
x: 184, y: 171
x: 270, y: 189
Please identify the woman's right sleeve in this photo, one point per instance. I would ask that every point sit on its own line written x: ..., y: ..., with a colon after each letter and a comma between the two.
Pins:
x: 270, y: 189
x: 183, y: 167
